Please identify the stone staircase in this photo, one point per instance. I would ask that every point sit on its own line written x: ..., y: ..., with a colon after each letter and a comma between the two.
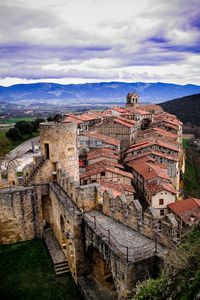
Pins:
x: 58, y: 258
x: 35, y: 170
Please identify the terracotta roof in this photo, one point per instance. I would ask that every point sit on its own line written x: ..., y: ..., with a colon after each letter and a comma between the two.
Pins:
x: 151, y: 107
x: 153, y: 152
x: 95, y: 171
x: 151, y: 143
x: 102, y: 137
x: 102, y: 150
x: 102, y: 163
x: 154, y: 187
x: 148, y: 170
x: 102, y: 154
x: 116, y: 186
x: 186, y: 209
x: 125, y: 123
x: 72, y: 119
x: 118, y: 109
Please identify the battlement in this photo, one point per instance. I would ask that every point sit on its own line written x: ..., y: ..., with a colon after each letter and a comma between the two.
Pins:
x: 121, y: 208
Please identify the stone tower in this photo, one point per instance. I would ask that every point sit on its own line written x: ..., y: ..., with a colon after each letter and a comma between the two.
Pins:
x: 132, y: 100
x: 59, y: 145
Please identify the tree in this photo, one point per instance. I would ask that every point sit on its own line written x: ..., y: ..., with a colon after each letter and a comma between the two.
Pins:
x: 50, y: 119
x: 25, y: 127
x: 57, y: 117
x: 14, y: 134
x: 37, y: 122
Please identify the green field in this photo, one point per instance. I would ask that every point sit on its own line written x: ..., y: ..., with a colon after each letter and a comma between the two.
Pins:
x: 26, y: 273
x: 14, y: 120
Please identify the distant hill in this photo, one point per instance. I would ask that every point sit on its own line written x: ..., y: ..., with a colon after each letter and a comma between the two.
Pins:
x: 187, y: 109
x: 103, y: 92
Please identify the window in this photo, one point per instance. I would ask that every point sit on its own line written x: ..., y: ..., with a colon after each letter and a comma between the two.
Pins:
x: 84, y: 181
x: 102, y: 173
x: 161, y: 201
x: 162, y: 212
x: 71, y: 149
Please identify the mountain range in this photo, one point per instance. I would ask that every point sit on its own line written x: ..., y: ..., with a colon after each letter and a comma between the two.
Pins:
x: 103, y: 92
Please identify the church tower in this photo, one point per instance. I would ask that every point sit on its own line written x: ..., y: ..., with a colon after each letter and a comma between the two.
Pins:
x: 132, y: 100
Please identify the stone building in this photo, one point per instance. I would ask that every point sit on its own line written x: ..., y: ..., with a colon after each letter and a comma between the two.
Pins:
x: 92, y: 140
x: 120, y: 129
x: 132, y: 99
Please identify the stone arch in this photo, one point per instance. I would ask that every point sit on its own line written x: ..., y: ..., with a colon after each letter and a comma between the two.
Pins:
x: 99, y: 270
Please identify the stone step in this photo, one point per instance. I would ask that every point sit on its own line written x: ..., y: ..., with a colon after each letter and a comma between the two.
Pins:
x: 62, y: 272
x: 65, y: 262
x: 66, y: 268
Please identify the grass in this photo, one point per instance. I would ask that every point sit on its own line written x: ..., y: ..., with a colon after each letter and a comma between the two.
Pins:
x: 185, y: 145
x: 14, y: 120
x: 26, y: 273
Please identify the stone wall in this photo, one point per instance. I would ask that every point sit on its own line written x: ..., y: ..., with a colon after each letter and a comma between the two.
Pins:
x: 59, y: 144
x: 121, y: 208
x: 20, y: 214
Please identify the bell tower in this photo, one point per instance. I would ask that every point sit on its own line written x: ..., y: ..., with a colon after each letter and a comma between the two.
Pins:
x: 132, y: 100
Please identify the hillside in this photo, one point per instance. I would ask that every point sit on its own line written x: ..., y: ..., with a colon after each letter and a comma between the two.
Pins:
x: 187, y: 109
x: 180, y: 278
x: 103, y: 92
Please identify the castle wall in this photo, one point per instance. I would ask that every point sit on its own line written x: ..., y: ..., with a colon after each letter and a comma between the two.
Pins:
x: 20, y: 218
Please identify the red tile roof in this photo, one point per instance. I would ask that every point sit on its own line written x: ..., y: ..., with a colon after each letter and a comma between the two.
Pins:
x: 97, y: 150
x: 151, y: 143
x: 148, y: 170
x: 118, y: 187
x: 150, y: 153
x: 102, y: 163
x: 102, y: 154
x: 95, y: 171
x: 102, y: 137
x: 154, y: 187
x: 118, y: 109
x: 124, y: 123
x: 72, y: 119
x: 186, y: 209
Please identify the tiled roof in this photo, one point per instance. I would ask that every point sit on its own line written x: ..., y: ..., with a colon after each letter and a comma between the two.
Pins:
x: 148, y: 170
x: 102, y: 163
x: 97, y: 150
x: 72, y: 119
x: 154, y: 187
x: 124, y: 123
x: 102, y: 137
x: 151, y: 107
x: 102, y: 154
x: 118, y: 109
x: 153, y: 152
x: 186, y: 209
x: 116, y: 186
x: 95, y: 171
x: 151, y: 143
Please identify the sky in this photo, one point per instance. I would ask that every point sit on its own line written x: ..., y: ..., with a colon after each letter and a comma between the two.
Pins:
x: 78, y: 41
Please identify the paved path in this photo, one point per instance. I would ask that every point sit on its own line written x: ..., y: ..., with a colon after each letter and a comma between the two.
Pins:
x: 24, y: 147
x: 121, y: 237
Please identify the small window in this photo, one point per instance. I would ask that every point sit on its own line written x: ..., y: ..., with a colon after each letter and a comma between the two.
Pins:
x: 71, y: 149
x: 162, y: 212
x: 84, y: 181
x: 161, y: 201
x: 13, y: 182
x: 93, y: 181
x: 102, y: 173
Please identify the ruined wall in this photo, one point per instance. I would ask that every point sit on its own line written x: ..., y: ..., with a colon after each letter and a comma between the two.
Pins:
x: 20, y: 214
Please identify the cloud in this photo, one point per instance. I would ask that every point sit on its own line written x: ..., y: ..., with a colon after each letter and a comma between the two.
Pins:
x: 95, y: 39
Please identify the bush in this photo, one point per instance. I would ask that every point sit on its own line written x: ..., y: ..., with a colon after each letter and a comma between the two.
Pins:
x: 14, y: 134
